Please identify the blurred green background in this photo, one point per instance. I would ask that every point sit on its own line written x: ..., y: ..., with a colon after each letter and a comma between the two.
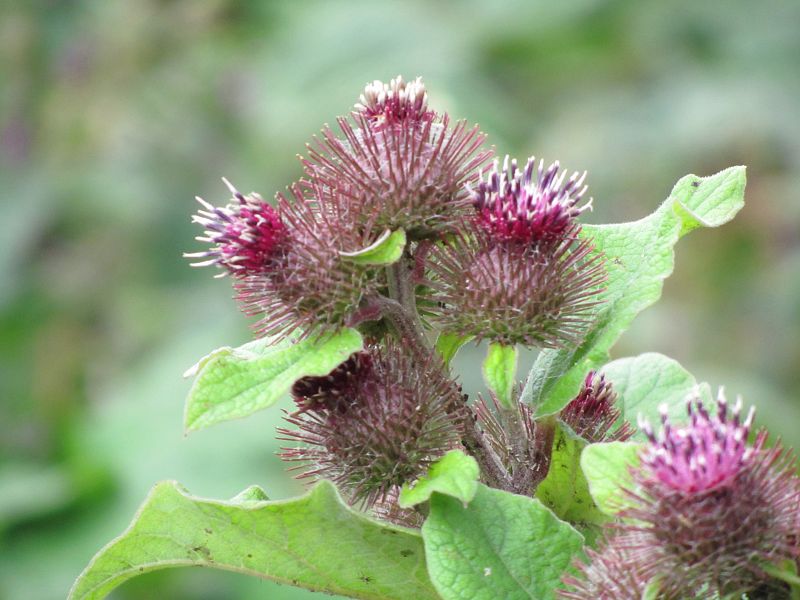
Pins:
x: 113, y: 115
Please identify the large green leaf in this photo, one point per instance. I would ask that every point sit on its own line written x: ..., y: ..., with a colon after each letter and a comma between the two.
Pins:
x: 499, y: 546
x: 314, y: 541
x: 606, y: 467
x: 565, y: 489
x: 234, y: 382
x: 638, y: 257
x: 646, y: 382
x: 455, y: 474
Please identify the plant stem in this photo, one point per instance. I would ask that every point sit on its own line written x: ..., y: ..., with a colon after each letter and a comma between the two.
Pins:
x: 400, y: 310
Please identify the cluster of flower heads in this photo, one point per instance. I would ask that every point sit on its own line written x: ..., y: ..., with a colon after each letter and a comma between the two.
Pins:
x: 708, y: 514
x: 494, y: 257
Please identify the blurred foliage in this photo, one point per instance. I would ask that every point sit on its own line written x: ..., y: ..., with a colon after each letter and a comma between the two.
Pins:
x: 114, y: 114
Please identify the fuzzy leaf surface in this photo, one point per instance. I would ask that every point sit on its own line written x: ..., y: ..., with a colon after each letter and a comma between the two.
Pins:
x: 499, y: 546
x: 500, y: 372
x: 565, y: 489
x: 234, y: 382
x: 646, y: 382
x: 455, y: 474
x: 606, y: 468
x: 638, y: 257
x: 388, y: 248
x: 314, y: 541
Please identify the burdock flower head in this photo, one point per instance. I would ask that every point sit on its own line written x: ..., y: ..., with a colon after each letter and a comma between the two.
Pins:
x: 374, y: 423
x: 710, y: 509
x: 395, y: 103
x: 246, y: 235
x: 517, y: 274
x: 399, y: 164
x: 534, y: 205
x: 592, y: 414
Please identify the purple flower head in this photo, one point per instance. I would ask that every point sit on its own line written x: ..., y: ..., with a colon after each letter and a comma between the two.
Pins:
x: 592, y: 415
x: 316, y: 288
x: 394, y: 421
x: 531, y: 205
x: 397, y: 164
x: 706, y: 453
x: 513, y: 293
x: 708, y: 511
x: 246, y: 235
x: 396, y: 102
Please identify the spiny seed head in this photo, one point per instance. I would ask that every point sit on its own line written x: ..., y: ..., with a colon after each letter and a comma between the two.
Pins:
x: 393, y: 425
x: 514, y: 293
x: 610, y: 574
x: 246, y: 235
x: 390, y: 104
x: 397, y: 164
x: 592, y: 415
x: 316, y: 288
x: 707, y: 508
x: 532, y: 205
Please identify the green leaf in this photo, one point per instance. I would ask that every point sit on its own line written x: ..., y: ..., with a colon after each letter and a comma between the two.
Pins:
x: 500, y: 546
x: 234, y: 382
x: 448, y: 345
x: 500, y: 372
x: 786, y: 572
x: 638, y: 257
x: 455, y: 474
x: 388, y: 248
x: 565, y: 489
x: 646, y: 382
x: 606, y: 467
x: 314, y: 541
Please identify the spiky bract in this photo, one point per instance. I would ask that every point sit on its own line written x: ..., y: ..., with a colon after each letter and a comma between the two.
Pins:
x: 610, y: 574
x: 246, y: 235
x: 399, y: 164
x: 534, y: 205
x: 592, y: 414
x: 514, y: 293
x: 392, y: 422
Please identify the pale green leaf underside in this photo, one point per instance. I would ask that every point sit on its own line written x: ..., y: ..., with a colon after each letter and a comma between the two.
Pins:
x: 500, y: 546
x: 646, y: 382
x: 638, y: 257
x: 314, y: 541
x: 234, y: 382
x: 455, y: 474
x: 606, y: 467
x: 500, y: 372
x: 565, y: 489
x: 448, y: 345
x: 388, y: 248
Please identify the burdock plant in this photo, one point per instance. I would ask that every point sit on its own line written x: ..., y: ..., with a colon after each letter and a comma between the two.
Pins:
x: 402, y: 242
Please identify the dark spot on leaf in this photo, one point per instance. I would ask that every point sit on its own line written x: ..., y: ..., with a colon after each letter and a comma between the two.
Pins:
x: 695, y: 184
x: 141, y: 569
x: 366, y: 578
x: 406, y: 553
x: 249, y: 556
x: 295, y: 582
x: 204, y: 551
x: 208, y: 531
